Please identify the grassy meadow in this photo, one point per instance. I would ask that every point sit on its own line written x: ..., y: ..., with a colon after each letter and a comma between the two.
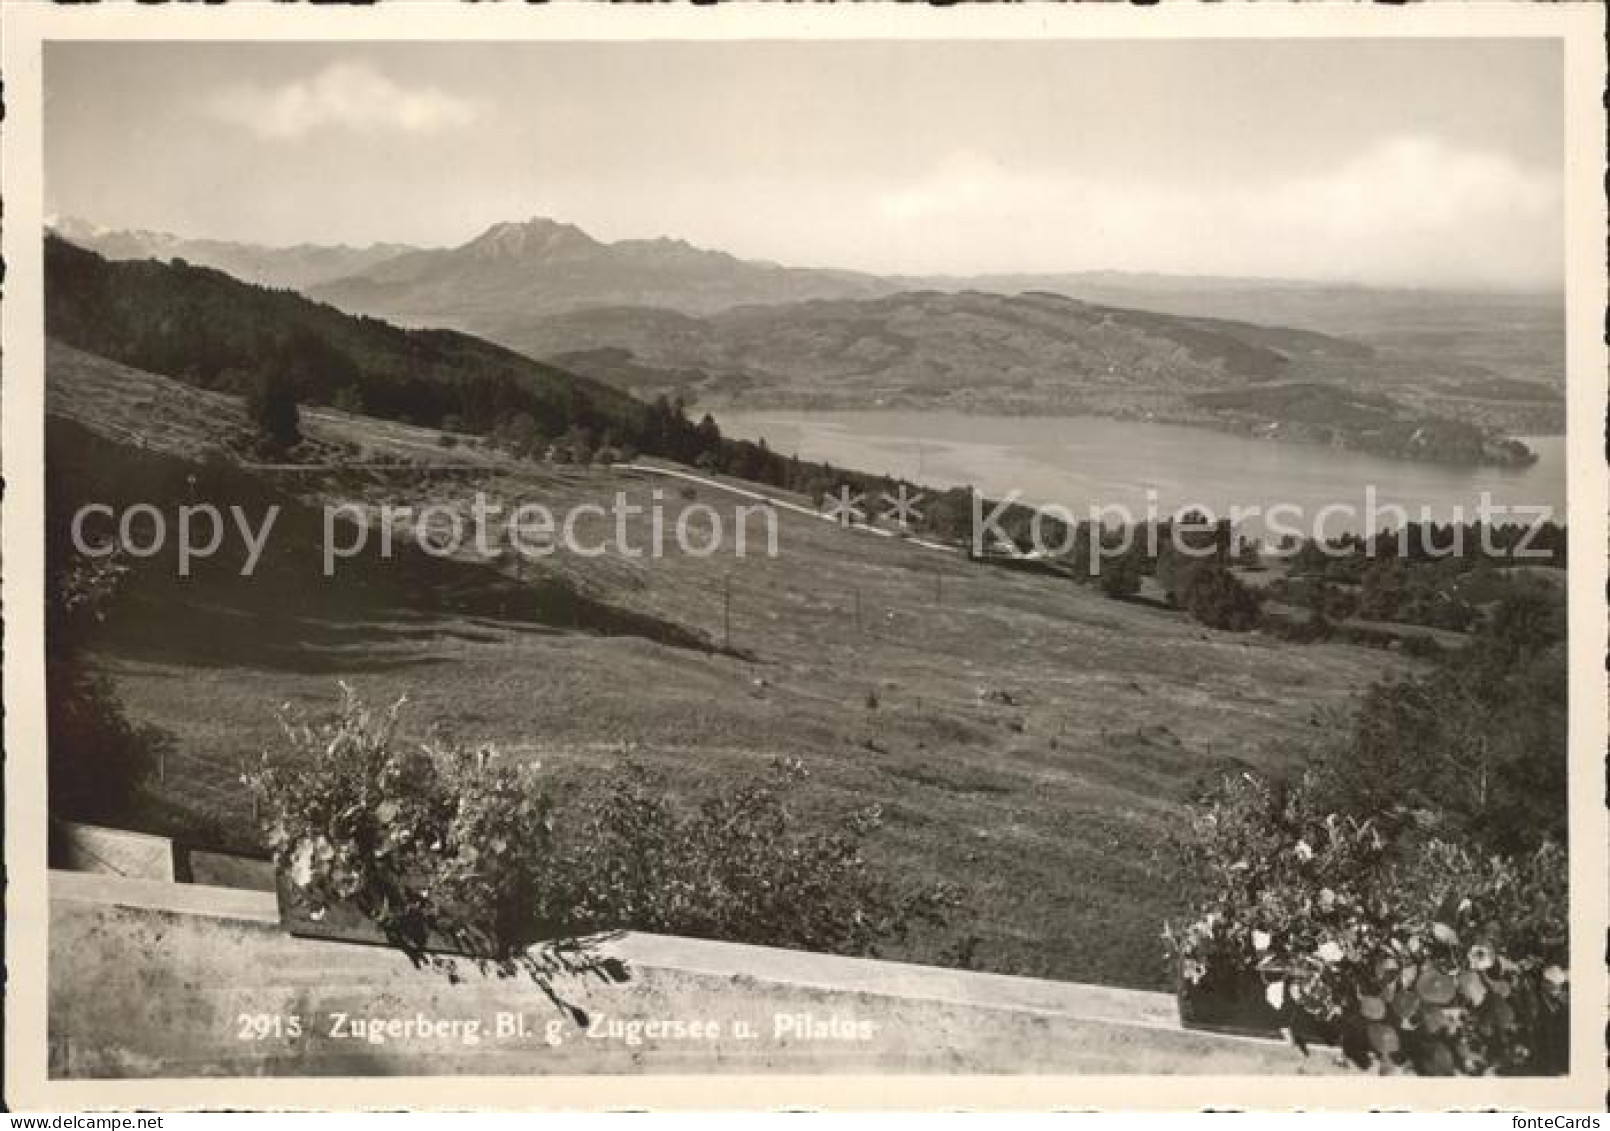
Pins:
x: 1028, y: 740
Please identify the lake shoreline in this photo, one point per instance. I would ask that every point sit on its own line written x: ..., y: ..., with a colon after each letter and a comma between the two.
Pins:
x: 1248, y: 430
x: 1145, y: 465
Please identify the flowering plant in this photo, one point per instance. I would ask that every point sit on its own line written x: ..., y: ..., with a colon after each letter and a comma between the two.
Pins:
x: 441, y: 847
x: 1436, y: 960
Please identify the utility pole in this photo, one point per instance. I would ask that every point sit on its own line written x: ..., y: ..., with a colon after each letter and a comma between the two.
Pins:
x: 726, y: 611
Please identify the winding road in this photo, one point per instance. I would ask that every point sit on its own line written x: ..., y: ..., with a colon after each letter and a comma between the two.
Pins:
x: 798, y: 508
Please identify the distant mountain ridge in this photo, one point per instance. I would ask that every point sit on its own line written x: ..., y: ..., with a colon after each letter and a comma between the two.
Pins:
x: 970, y: 351
x: 496, y: 285
x: 298, y: 267
x: 542, y: 266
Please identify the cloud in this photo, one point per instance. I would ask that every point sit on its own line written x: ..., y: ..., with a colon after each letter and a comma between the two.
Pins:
x: 351, y: 95
x: 1411, y: 210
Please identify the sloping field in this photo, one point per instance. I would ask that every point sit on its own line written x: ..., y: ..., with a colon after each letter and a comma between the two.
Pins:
x: 1028, y: 740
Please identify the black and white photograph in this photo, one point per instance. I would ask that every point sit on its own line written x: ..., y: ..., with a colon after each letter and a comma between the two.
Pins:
x: 892, y: 556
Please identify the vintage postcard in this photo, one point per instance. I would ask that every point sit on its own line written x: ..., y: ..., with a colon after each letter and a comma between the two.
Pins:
x: 766, y: 556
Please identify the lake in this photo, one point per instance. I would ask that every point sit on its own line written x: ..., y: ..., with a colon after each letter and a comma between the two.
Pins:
x: 1084, y: 462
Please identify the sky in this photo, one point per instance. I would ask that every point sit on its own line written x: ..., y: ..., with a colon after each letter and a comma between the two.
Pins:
x: 1394, y: 162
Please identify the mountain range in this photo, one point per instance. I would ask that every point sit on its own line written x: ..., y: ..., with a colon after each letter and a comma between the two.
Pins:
x: 516, y: 271
x: 545, y: 267
x: 651, y: 316
x: 297, y: 267
x: 542, y: 266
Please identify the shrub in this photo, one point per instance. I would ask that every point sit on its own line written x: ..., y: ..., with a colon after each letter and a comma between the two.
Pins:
x: 736, y: 867
x: 271, y: 407
x: 520, y: 435
x: 435, y: 843
x: 96, y: 757
x: 442, y: 843
x: 1450, y: 747
x: 1296, y: 629
x: 1423, y: 957
x: 1121, y: 573
x: 80, y: 591
x: 1215, y: 597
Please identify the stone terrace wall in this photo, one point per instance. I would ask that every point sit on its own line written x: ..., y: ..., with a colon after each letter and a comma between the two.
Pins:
x: 149, y: 978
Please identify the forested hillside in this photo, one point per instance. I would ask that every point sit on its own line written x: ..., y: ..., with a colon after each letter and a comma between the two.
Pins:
x: 208, y: 329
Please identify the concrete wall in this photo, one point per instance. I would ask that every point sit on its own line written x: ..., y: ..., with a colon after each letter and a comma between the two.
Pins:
x: 155, y: 979
x: 112, y: 852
